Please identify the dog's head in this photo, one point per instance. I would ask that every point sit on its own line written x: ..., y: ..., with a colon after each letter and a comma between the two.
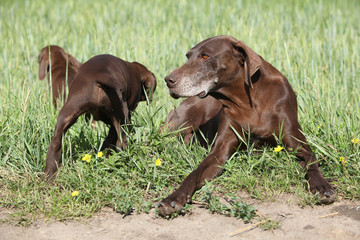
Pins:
x: 57, y: 55
x: 213, y: 64
x: 148, y: 82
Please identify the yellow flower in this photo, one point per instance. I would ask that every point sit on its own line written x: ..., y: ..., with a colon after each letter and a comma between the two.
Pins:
x: 355, y: 141
x: 99, y: 154
x: 75, y: 193
x: 158, y: 162
x: 278, y: 148
x: 343, y: 160
x: 87, y: 158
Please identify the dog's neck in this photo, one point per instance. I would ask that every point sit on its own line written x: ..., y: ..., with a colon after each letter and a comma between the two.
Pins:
x: 239, y: 93
x: 234, y: 100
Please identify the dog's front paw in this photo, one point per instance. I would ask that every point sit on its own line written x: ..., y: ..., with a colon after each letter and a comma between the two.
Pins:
x: 328, y: 197
x: 319, y: 184
x: 173, y: 203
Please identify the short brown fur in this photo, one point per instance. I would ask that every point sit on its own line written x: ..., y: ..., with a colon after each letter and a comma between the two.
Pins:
x: 258, y: 102
x: 109, y: 89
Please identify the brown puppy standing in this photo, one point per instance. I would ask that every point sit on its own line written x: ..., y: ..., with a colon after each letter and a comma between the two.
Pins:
x: 59, y: 61
x: 199, y: 116
x: 258, y: 100
x: 108, y: 88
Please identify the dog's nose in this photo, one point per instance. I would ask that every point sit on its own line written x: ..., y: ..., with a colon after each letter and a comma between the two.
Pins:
x: 170, y: 79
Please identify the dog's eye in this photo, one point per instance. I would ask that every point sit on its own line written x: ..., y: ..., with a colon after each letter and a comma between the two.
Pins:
x: 204, y: 56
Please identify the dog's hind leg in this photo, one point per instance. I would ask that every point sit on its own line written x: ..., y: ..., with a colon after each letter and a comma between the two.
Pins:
x: 67, y: 117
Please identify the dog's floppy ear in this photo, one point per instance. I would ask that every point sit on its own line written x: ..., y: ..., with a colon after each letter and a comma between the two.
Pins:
x: 149, y: 84
x: 43, y: 63
x: 251, y: 61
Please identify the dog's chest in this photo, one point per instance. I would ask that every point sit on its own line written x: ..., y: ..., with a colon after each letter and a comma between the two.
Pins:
x: 249, y: 120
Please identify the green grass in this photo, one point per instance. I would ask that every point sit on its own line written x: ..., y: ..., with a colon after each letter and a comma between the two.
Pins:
x: 314, y: 43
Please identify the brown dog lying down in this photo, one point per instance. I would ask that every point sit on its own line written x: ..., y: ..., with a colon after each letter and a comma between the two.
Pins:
x: 60, y: 60
x: 108, y: 88
x: 258, y: 101
x: 199, y: 116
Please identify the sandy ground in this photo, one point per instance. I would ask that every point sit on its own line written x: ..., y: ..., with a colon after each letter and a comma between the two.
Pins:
x: 295, y: 223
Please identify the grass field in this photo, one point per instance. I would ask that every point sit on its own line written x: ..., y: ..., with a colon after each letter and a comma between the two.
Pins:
x: 314, y: 43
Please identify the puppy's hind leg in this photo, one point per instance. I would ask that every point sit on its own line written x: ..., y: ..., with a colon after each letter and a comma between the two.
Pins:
x: 67, y: 117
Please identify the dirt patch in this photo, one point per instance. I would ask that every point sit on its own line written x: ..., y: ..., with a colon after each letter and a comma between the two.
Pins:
x: 340, y: 220
x: 349, y: 211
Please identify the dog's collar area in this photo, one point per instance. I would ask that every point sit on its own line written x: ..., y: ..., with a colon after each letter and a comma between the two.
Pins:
x: 220, y: 96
